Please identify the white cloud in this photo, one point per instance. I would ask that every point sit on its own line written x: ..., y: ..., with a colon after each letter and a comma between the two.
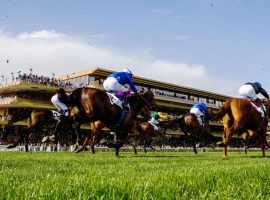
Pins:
x: 44, y: 34
x: 50, y: 52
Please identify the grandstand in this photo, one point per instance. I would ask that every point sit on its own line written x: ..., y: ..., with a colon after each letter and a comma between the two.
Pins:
x: 172, y: 100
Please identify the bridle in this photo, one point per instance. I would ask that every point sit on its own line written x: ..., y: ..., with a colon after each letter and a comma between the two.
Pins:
x: 146, y: 102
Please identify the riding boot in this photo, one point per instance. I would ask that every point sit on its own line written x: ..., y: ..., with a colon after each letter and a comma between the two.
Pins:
x: 258, y: 102
x: 125, y: 102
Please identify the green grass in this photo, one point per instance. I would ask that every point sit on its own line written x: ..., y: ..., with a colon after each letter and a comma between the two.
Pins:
x: 157, y: 175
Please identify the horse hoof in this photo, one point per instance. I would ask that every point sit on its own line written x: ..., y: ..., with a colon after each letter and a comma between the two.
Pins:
x: 221, y: 144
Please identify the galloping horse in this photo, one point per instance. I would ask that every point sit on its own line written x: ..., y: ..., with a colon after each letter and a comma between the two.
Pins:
x: 190, y: 126
x: 146, y: 133
x: 239, y: 116
x: 93, y: 105
x: 36, y: 119
x: 97, y: 126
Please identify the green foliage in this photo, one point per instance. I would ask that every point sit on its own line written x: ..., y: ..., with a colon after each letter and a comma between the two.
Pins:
x: 157, y: 175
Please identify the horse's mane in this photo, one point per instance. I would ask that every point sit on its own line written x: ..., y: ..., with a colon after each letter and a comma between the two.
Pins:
x: 75, y: 96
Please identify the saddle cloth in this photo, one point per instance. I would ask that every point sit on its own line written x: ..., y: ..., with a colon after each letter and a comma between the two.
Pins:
x: 260, y: 109
x: 56, y: 115
x: 114, y: 100
x: 155, y: 126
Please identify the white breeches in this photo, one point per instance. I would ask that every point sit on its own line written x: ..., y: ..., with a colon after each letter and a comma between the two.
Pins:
x: 198, y: 113
x: 59, y: 105
x: 154, y: 121
x: 111, y: 84
x: 248, y: 92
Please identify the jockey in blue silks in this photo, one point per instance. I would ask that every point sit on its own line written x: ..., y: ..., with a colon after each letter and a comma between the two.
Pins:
x: 200, y: 110
x: 117, y: 82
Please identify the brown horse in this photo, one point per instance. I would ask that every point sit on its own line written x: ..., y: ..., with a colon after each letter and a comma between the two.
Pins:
x: 94, y: 105
x: 97, y: 126
x: 41, y: 120
x: 190, y: 126
x: 239, y: 116
x: 146, y: 133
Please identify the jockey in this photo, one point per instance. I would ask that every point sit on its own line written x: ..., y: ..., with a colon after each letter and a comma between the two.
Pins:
x: 154, y: 122
x: 116, y: 83
x: 250, y: 90
x: 200, y: 110
x: 59, y: 100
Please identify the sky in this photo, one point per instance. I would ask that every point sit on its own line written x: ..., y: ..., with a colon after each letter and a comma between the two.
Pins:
x: 213, y: 45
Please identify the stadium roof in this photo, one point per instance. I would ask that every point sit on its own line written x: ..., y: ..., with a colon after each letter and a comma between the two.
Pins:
x: 151, y: 83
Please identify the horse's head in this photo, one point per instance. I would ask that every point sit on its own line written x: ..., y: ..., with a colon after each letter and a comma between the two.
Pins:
x: 149, y: 99
x: 142, y: 103
x: 15, y: 115
x: 74, y: 98
x: 210, y: 116
x: 62, y: 95
x: 266, y: 103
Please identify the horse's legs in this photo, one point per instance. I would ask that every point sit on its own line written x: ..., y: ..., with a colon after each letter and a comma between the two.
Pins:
x: 263, y: 142
x: 225, y: 142
x: 194, y: 145
x: 97, y: 127
x: 13, y: 145
x: 26, y: 141
x: 134, y: 144
x: 93, y: 143
x: 246, y: 139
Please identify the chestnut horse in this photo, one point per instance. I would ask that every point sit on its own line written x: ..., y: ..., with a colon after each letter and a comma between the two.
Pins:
x: 94, y: 105
x: 239, y: 116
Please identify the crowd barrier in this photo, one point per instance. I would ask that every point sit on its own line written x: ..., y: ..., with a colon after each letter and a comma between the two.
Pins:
x: 57, y: 148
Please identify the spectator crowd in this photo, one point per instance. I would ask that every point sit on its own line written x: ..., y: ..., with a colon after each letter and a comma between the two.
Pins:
x: 34, y: 78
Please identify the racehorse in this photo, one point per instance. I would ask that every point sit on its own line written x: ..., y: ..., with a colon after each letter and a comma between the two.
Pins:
x: 190, y: 126
x: 97, y: 126
x: 146, y: 133
x: 239, y: 116
x: 92, y: 105
x: 36, y: 120
x: 16, y: 116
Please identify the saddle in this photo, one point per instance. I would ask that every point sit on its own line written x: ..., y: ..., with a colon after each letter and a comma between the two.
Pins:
x: 115, y: 100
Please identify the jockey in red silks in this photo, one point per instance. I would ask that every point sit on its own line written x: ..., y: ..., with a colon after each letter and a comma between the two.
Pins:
x: 115, y: 83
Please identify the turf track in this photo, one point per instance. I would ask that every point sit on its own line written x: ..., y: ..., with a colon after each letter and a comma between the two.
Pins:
x: 156, y: 175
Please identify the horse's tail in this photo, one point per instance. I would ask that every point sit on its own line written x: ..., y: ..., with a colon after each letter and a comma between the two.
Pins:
x: 223, y: 110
